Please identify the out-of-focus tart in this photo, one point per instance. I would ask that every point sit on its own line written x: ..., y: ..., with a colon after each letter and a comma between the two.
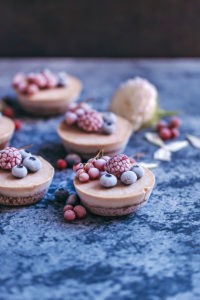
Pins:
x: 7, y: 128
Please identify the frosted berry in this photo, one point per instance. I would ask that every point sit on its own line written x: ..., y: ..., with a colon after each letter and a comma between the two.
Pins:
x: 40, y: 80
x: 128, y: 177
x: 138, y: 170
x: 109, y: 117
x: 69, y: 215
x: 99, y: 164
x: 161, y: 124
x: 72, y: 159
x: 32, y: 163
x: 18, y: 124
x: 19, y: 171
x: 61, y: 164
x: 73, y: 199
x: 32, y: 89
x: 108, y: 180
x: 91, y: 121
x: 94, y: 173
x: 79, y: 172
x: 175, y: 122
x: 88, y: 166
x: 80, y: 211
x: 24, y: 153
x: 8, y: 112
x: 22, y: 87
x: 108, y: 128
x: 117, y: 164
x: 174, y: 133
x: 85, y: 106
x: 77, y: 167
x: 68, y: 207
x: 62, y: 79
x: 51, y: 79
x: 19, y: 77
x: 72, y: 107
x: 80, y: 112
x: 61, y: 194
x: 106, y: 158
x: 70, y: 118
x: 9, y: 158
x: 83, y: 177
x: 165, y: 134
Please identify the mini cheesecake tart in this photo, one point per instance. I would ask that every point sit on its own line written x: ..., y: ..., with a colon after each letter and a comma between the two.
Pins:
x: 7, y: 128
x: 28, y: 190
x: 88, y: 144
x: 51, y: 101
x: 116, y: 201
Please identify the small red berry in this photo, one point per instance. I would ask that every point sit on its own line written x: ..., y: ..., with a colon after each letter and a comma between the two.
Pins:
x: 83, y: 177
x: 88, y: 166
x: 8, y: 112
x: 69, y: 215
x: 77, y: 166
x: 161, y: 124
x: 94, y: 173
x: 99, y: 164
x: 165, y: 134
x: 68, y: 207
x: 61, y: 164
x: 17, y: 124
x: 175, y: 122
x: 174, y: 133
x: 106, y: 158
x: 80, y: 211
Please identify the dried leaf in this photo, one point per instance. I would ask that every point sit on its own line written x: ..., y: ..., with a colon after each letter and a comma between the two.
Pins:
x: 153, y: 138
x: 176, y: 146
x: 195, y: 141
x: 162, y: 154
x: 149, y: 165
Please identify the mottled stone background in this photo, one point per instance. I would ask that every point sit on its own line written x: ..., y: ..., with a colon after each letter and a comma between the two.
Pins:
x: 154, y: 254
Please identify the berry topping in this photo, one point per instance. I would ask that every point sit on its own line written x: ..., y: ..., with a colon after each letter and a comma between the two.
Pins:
x: 69, y: 215
x: 109, y: 117
x: 165, y: 134
x: 128, y: 177
x: 70, y: 118
x: 61, y: 194
x: 80, y: 211
x: 77, y: 167
x: 91, y: 121
x: 61, y: 164
x: 9, y: 158
x: 138, y: 170
x: 62, y: 79
x: 117, y: 165
x: 108, y: 127
x: 94, y: 173
x: 32, y: 163
x: 24, y: 153
x: 83, y: 177
x: 19, y: 171
x: 99, y: 164
x: 72, y: 159
x: 108, y: 180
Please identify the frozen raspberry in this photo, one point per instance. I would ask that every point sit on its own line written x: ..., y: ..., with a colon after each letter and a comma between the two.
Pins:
x: 9, y: 158
x: 80, y: 211
x: 117, y: 165
x: 90, y: 121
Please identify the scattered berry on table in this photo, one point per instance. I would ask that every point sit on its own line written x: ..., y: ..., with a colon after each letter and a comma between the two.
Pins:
x: 17, y: 124
x: 19, y: 171
x: 73, y: 200
x: 24, y: 153
x: 128, y: 177
x: 9, y: 158
x: 72, y: 159
x: 138, y: 170
x: 161, y: 124
x: 83, y: 177
x: 69, y: 215
x: 61, y: 194
x: 91, y: 121
x: 99, y: 164
x: 165, y: 134
x: 80, y: 211
x: 108, y: 180
x: 108, y: 127
x: 70, y: 118
x: 77, y: 167
x: 94, y: 173
x: 174, y: 133
x: 68, y: 207
x: 61, y: 164
x: 109, y: 117
x: 8, y: 112
x: 175, y: 122
x: 32, y: 163
x: 117, y: 164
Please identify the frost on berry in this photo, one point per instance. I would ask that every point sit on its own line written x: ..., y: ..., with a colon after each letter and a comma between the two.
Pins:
x: 9, y: 158
x: 117, y: 165
x: 90, y: 121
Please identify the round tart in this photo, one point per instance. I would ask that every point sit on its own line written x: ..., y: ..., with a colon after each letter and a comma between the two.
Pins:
x: 117, y: 201
x: 88, y: 144
x: 7, y: 128
x: 51, y: 101
x: 28, y: 190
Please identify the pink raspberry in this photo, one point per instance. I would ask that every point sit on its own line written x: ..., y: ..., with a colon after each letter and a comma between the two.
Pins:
x: 18, y: 78
x: 9, y: 158
x: 117, y: 165
x: 32, y: 89
x: 90, y: 121
x: 51, y: 79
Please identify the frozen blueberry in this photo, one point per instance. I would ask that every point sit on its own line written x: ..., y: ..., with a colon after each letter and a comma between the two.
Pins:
x: 72, y: 159
x: 108, y: 127
x: 32, y: 163
x: 61, y: 194
x: 73, y: 200
x: 109, y: 117
x: 19, y: 171
x: 108, y: 180
x: 138, y: 170
x: 128, y: 177
x: 62, y: 79
x: 103, y: 173
x: 24, y: 153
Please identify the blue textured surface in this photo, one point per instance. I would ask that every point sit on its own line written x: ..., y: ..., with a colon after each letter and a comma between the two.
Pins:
x: 154, y: 254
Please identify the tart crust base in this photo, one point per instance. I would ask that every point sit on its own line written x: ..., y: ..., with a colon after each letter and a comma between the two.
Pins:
x: 17, y: 201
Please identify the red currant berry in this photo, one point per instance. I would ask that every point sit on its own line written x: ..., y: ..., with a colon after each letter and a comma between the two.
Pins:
x: 94, y: 173
x: 80, y: 211
x: 8, y: 112
x: 83, y: 177
x: 99, y: 164
x: 165, y: 134
x: 88, y: 166
x: 17, y: 124
x: 174, y: 133
x: 68, y: 207
x: 61, y: 164
x: 161, y: 124
x: 77, y: 167
x: 175, y: 122
x: 69, y: 215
